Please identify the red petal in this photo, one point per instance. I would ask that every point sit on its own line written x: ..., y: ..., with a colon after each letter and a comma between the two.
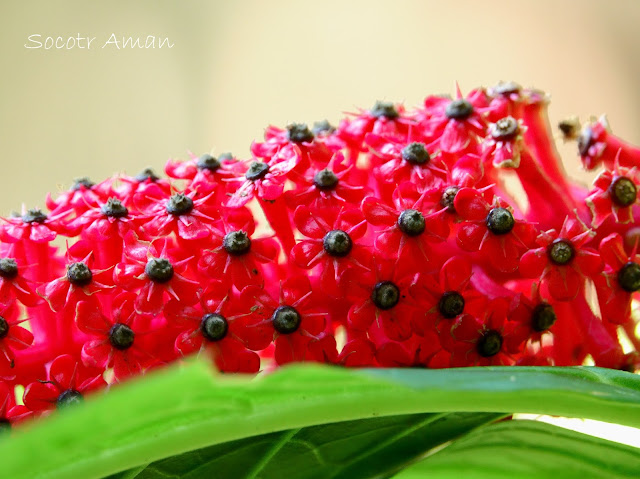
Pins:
x: 190, y: 228
x: 19, y: 338
x: 40, y: 396
x: 393, y: 355
x: 470, y: 204
x: 377, y: 213
x: 265, y: 249
x: 96, y: 352
x: 588, y: 261
x: 470, y: 236
x: 55, y: 292
x: 41, y: 233
x: 64, y: 371
x: 309, y: 224
x: 362, y: 315
x: 124, y: 365
x: 533, y: 263
x: 455, y: 273
x: 90, y: 319
x: 564, y: 283
x: 307, y: 254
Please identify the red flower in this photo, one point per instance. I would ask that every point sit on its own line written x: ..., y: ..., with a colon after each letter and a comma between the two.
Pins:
x: 383, y: 119
x: 504, y: 143
x: 10, y: 412
x: 33, y: 225
x: 68, y: 381
x: 614, y: 194
x: 118, y: 339
x: 180, y: 213
x: 295, y: 318
x: 80, y: 282
x: 381, y: 297
x: 334, y: 234
x: 232, y: 255
x: 409, y: 231
x: 12, y: 336
x: 216, y: 326
x: 150, y: 274
x: 103, y: 222
x: 206, y: 173
x: 621, y: 278
x: 532, y: 318
x: 483, y: 341
x: 443, y: 297
x: 563, y: 261
x: 131, y: 186
x: 491, y: 229
x: 326, y: 187
x: 405, y: 160
x: 592, y: 144
x: 82, y: 194
x: 265, y: 178
x: 454, y: 125
x: 13, y: 284
x: 295, y: 134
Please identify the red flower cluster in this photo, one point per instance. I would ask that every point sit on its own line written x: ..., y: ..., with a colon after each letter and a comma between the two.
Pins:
x: 389, y: 240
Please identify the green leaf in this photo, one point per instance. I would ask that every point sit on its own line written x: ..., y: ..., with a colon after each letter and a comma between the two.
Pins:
x: 350, y: 449
x: 528, y: 449
x: 187, y: 408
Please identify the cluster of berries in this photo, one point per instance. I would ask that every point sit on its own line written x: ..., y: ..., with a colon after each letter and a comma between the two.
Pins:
x: 445, y: 236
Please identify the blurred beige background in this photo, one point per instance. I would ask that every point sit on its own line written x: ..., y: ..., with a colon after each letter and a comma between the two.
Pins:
x: 238, y: 66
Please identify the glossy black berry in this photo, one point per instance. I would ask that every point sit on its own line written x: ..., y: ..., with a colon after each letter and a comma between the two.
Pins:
x: 561, y: 252
x: 68, y: 398
x: 325, y: 180
x: 411, y: 222
x: 489, y: 343
x: 214, y: 327
x: 448, y: 197
x: 323, y: 127
x: 505, y: 129
x: 207, y: 162
x: 629, y: 277
x: 121, y: 336
x: 299, y: 133
x: 179, y: 204
x: 385, y: 295
x: 34, y: 216
x: 286, y: 320
x: 459, y: 109
x: 147, y: 174
x: 415, y: 153
x: 257, y: 170
x: 623, y: 192
x: 79, y: 274
x: 543, y: 317
x: 8, y: 268
x: 4, y: 328
x: 451, y: 304
x: 236, y: 243
x: 159, y: 270
x: 384, y: 109
x: 114, y: 208
x: 500, y: 221
x: 82, y: 183
x: 337, y: 243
